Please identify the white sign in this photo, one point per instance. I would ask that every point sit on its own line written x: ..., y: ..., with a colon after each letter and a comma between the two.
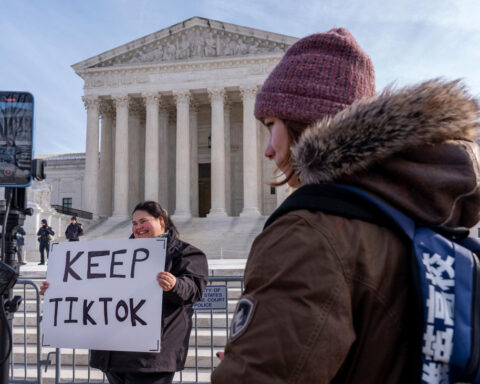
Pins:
x: 104, y: 295
x: 214, y: 297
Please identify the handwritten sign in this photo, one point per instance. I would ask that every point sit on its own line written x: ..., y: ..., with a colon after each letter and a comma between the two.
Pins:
x: 104, y: 295
x: 214, y: 297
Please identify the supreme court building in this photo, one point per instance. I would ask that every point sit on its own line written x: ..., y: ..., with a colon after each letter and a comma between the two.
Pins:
x: 170, y: 118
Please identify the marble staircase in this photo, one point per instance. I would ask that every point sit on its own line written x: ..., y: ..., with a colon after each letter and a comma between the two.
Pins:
x: 219, y: 238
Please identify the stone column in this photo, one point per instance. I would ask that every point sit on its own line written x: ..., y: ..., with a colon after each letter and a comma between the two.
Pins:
x: 90, y: 191
x: 182, y: 202
x: 250, y: 156
x: 283, y: 191
x: 136, y: 152
x: 194, y: 158
x: 217, y: 154
x: 152, y: 147
x: 228, y: 170
x: 120, y: 190
x: 163, y: 156
x: 106, y: 162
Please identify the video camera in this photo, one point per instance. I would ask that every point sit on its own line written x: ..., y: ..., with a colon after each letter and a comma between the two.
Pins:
x: 18, y: 169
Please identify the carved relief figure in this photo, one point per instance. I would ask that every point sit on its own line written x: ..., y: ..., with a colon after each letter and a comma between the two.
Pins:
x: 197, y: 45
x: 227, y: 49
x: 170, y: 50
x: 184, y: 48
x: 253, y: 47
x: 240, y: 48
x: 155, y: 55
x: 210, y: 45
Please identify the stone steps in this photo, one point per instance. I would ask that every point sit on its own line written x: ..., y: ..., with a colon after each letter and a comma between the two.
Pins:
x: 204, y: 356
x: 83, y: 374
x: 219, y: 238
x: 204, y: 337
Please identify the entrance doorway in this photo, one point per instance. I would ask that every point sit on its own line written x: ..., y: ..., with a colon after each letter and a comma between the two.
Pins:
x: 204, y: 190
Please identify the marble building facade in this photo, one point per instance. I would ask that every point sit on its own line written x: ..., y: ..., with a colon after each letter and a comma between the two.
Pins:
x: 170, y: 118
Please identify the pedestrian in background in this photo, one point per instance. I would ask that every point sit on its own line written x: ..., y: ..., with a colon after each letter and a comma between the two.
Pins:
x: 20, y: 243
x: 74, y: 230
x: 45, y: 235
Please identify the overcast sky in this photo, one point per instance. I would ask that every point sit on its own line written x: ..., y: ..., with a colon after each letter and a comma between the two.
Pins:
x: 408, y: 41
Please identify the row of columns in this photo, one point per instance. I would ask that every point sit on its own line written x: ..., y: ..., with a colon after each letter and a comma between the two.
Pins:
x: 114, y: 148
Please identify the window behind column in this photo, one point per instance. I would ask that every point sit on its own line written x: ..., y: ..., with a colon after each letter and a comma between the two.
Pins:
x: 67, y: 202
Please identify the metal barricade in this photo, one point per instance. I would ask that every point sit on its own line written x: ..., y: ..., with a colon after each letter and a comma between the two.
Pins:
x: 28, y: 357
x: 208, y: 343
x: 209, y: 335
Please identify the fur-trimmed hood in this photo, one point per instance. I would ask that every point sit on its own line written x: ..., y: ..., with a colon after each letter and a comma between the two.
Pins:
x: 413, y: 147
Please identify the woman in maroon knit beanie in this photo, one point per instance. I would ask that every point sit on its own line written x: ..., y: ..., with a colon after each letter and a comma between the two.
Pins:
x: 319, y: 76
x: 330, y: 298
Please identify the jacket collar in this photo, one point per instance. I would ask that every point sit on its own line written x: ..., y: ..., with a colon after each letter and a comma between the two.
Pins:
x: 373, y: 129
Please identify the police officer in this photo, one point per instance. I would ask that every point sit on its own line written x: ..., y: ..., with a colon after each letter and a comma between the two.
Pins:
x: 44, y: 234
x: 74, y: 230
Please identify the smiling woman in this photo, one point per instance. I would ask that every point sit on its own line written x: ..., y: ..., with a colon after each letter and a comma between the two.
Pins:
x: 145, y: 225
x: 183, y: 282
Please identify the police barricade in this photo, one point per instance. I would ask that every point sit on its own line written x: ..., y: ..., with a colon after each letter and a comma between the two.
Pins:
x: 211, y: 319
x: 26, y: 358
x: 211, y: 326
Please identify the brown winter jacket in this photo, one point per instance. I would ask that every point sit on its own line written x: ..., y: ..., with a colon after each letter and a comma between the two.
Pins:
x: 330, y: 299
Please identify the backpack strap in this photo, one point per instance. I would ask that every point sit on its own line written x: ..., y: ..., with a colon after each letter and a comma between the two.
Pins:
x: 345, y: 201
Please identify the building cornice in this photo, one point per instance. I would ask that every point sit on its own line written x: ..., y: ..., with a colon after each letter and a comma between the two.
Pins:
x: 185, y: 65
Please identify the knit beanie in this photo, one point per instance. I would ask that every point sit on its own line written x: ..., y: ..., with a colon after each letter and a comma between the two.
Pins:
x: 319, y: 75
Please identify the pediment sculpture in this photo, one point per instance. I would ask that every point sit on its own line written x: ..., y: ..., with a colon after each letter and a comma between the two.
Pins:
x: 196, y: 43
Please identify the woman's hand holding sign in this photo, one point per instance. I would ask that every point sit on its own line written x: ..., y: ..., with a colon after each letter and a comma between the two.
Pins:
x: 44, y: 287
x: 166, y: 280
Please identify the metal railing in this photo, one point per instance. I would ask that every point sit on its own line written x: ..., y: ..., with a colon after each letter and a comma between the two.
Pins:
x: 17, y: 365
x: 72, y: 211
x: 209, y: 335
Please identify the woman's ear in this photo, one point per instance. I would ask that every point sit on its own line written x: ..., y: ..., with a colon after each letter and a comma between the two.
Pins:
x: 162, y: 223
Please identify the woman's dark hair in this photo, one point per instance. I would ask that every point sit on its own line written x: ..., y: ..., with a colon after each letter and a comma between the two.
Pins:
x: 156, y: 210
x: 294, y: 130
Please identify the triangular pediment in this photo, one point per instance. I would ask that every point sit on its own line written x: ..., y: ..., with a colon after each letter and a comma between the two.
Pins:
x: 195, y: 38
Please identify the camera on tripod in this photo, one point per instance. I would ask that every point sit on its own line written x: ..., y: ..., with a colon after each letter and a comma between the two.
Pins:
x: 18, y: 169
x: 16, y: 139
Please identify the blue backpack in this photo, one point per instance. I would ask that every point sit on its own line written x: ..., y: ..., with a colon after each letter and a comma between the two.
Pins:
x: 446, y: 272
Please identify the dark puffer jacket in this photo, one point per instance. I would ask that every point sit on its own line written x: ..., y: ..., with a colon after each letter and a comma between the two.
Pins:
x: 74, y: 231
x: 189, y: 265
x: 44, y: 234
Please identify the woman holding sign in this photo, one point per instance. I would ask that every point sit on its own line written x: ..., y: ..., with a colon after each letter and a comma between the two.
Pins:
x: 183, y: 283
